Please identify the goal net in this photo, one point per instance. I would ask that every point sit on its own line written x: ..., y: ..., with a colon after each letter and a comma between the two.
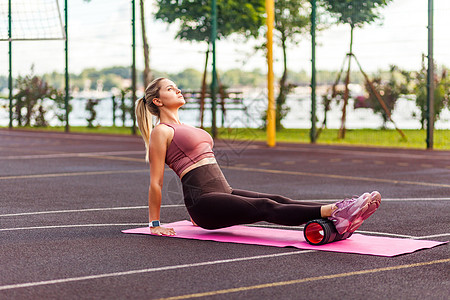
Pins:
x: 31, y: 20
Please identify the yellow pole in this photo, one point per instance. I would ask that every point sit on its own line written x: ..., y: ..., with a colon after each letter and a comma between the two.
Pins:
x: 270, y: 7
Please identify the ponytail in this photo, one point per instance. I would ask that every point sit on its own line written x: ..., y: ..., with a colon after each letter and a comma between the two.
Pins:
x: 145, y: 108
x: 145, y: 124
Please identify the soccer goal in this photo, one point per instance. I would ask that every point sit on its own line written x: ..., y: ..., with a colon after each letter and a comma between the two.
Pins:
x: 33, y: 20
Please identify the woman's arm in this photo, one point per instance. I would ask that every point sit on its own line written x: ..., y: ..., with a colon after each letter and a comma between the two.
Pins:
x: 159, y: 140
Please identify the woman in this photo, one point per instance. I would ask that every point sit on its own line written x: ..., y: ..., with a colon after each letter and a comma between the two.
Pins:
x: 209, y: 199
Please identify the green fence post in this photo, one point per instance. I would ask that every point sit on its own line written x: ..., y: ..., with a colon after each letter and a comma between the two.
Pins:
x: 214, y: 74
x: 66, y: 49
x: 113, y: 99
x: 133, y: 68
x: 430, y: 79
x: 312, y: 133
x: 10, y: 85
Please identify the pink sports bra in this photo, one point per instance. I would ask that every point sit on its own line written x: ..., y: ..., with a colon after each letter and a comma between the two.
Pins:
x: 189, y: 145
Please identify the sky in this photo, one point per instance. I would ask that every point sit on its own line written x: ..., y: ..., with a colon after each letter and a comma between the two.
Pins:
x: 100, y: 36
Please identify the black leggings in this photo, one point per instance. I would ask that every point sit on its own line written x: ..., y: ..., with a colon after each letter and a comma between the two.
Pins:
x: 213, y: 204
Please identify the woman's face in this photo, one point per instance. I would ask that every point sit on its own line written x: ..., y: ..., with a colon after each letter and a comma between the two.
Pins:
x: 170, y: 95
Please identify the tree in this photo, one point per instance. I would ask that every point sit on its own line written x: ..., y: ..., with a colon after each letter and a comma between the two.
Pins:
x: 355, y: 13
x: 58, y: 97
x: 233, y: 16
x: 110, y: 81
x: 120, y: 71
x: 123, y: 106
x: 441, y: 93
x: 29, y: 108
x: 90, y: 108
x: 3, y: 82
x: 237, y: 77
x: 390, y: 90
x: 188, y: 79
x: 147, y: 73
x: 291, y: 21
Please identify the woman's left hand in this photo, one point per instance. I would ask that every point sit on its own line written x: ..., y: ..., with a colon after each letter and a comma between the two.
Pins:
x: 162, y: 230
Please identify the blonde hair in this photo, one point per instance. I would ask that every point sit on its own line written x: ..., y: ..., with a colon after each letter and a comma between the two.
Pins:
x: 145, y: 108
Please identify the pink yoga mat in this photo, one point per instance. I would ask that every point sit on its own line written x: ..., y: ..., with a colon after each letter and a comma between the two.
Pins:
x: 357, y: 243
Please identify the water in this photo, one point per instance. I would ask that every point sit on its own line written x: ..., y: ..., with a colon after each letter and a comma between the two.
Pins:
x: 405, y: 113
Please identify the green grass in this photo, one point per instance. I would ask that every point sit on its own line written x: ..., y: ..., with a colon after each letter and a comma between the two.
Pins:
x: 364, y: 137
x: 416, y: 139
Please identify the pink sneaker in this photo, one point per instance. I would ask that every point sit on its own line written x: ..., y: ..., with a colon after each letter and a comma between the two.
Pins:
x: 371, y: 208
x: 348, y: 214
x: 373, y: 205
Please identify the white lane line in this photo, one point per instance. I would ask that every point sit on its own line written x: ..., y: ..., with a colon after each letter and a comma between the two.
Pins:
x: 416, y: 199
x: 275, y: 226
x: 334, y: 176
x: 72, y: 226
x: 182, y: 205
x: 74, y: 174
x: 85, y: 210
x: 132, y: 272
x: 432, y: 236
x: 71, y: 174
x: 61, y: 155
x: 388, y: 199
x: 71, y: 136
x: 358, y: 231
x: 387, y: 234
x: 425, y: 155
x: 251, y: 225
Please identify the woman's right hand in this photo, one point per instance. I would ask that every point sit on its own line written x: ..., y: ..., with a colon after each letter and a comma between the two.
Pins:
x: 162, y: 231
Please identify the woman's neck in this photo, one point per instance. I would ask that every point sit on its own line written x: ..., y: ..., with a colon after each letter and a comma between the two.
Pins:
x: 170, y: 118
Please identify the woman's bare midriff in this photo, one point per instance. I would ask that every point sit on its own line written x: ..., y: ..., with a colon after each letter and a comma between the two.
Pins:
x: 204, y: 161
